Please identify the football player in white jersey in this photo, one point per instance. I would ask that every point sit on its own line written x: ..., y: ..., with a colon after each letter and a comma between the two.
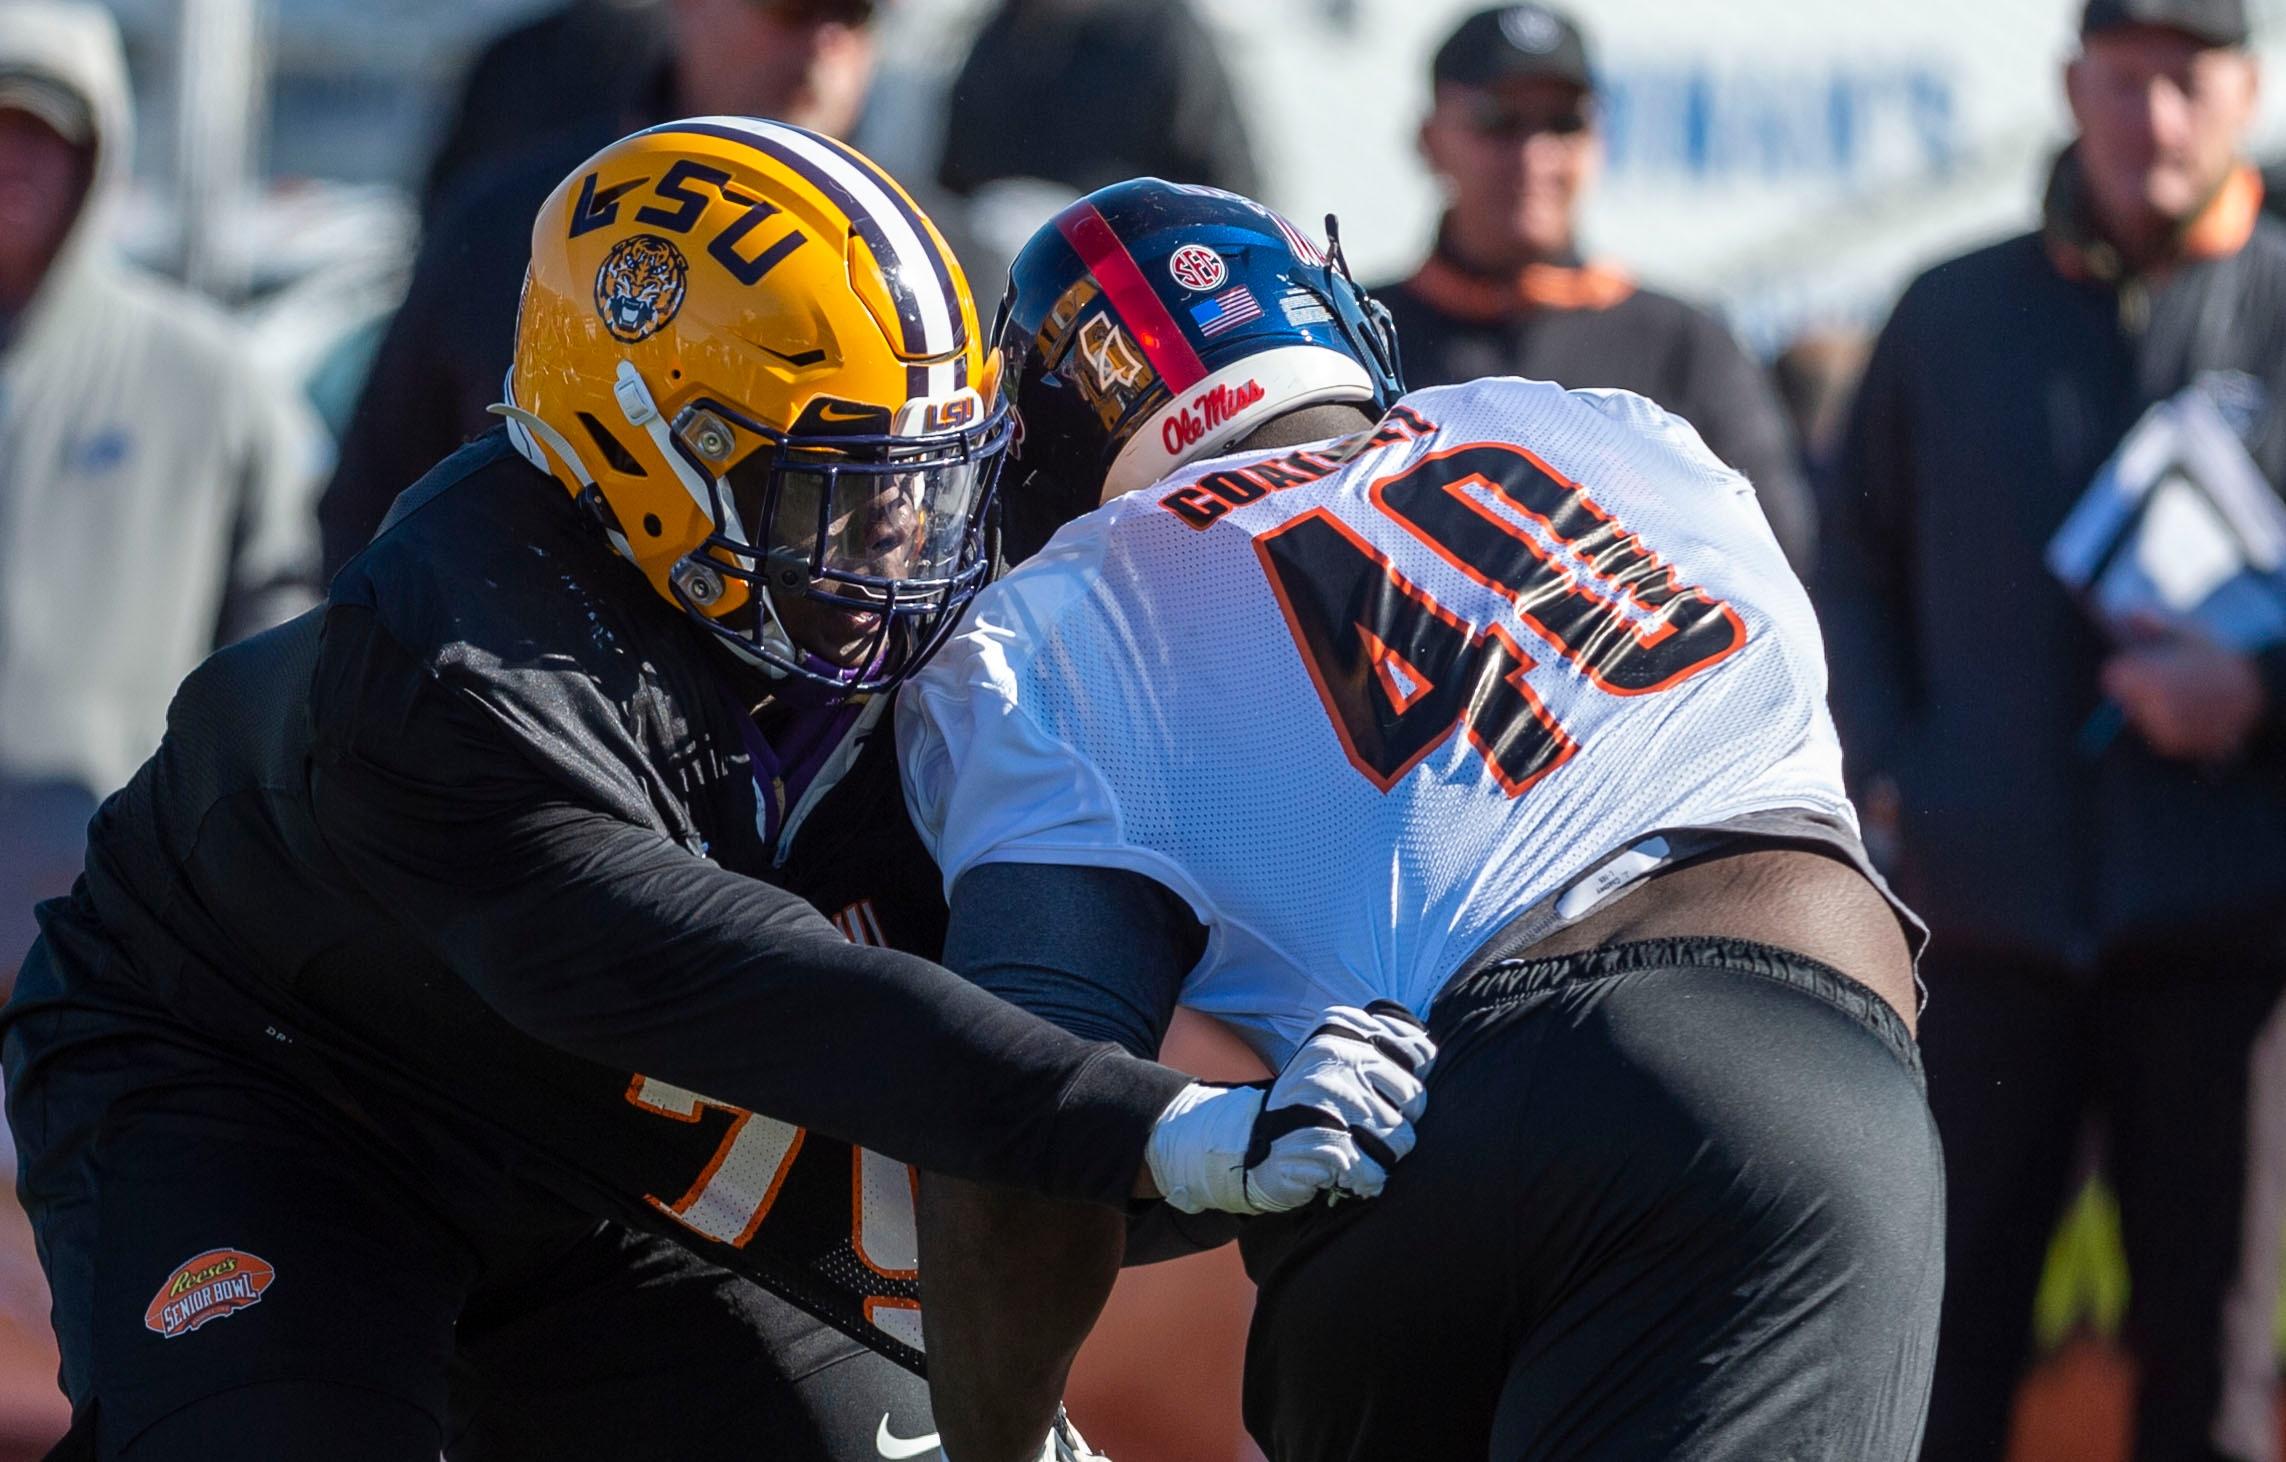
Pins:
x: 1497, y: 701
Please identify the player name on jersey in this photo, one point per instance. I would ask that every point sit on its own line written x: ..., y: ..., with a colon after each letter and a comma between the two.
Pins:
x: 1204, y: 502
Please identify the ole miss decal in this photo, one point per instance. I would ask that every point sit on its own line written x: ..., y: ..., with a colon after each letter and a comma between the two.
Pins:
x: 216, y: 1283
x: 1210, y: 410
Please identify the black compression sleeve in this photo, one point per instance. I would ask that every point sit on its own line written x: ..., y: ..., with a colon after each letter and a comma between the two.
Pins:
x: 1099, y: 951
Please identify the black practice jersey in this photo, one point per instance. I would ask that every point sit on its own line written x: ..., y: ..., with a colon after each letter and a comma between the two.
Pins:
x: 474, y: 851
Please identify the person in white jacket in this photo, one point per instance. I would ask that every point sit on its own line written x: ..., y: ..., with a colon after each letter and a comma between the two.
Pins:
x: 156, y: 489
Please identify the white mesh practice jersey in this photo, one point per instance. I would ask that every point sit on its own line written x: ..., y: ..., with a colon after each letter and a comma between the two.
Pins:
x: 1363, y: 705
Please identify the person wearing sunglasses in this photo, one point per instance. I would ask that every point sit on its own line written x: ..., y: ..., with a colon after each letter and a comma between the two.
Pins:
x: 1513, y: 136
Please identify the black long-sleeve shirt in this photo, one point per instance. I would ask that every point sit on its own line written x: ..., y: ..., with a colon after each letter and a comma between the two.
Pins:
x: 485, y: 837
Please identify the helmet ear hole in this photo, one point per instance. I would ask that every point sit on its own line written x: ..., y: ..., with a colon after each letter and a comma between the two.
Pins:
x: 614, y: 451
x: 599, y: 507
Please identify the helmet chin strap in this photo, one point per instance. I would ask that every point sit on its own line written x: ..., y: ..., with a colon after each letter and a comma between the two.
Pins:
x: 527, y: 432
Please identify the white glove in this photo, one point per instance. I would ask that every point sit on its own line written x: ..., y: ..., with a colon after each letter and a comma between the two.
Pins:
x: 1065, y: 1444
x: 1335, y: 1119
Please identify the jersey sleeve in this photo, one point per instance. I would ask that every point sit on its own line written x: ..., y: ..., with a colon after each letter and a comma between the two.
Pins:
x: 984, y: 781
x: 610, y: 940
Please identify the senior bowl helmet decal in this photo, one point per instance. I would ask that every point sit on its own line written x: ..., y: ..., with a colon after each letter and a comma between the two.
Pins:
x: 749, y: 354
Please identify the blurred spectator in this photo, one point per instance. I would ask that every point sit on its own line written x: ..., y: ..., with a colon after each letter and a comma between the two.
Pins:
x: 1089, y: 92
x: 2110, y: 912
x: 1512, y: 135
x: 154, y: 487
x: 587, y: 58
x: 1816, y: 375
x: 808, y: 62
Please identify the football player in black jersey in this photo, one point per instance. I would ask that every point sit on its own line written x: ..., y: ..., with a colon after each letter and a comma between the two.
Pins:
x: 439, y: 1053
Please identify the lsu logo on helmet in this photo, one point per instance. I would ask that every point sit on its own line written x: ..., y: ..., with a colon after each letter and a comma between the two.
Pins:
x: 639, y: 287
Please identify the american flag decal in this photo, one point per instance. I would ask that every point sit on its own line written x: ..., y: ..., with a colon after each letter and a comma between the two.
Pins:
x: 1226, y: 311
x: 1296, y: 240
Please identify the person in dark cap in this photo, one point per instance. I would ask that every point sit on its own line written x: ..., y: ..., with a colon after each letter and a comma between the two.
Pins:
x: 2109, y: 910
x: 1512, y: 135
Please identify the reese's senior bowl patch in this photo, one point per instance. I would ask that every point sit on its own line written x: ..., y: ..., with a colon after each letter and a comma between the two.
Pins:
x: 216, y: 1283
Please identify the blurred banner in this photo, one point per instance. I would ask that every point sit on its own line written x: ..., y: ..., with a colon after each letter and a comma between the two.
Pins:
x: 1793, y: 164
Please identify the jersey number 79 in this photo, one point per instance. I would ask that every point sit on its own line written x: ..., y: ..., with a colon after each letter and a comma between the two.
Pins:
x: 1397, y: 671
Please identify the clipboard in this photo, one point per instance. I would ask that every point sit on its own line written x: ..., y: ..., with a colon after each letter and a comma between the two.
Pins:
x: 2182, y: 525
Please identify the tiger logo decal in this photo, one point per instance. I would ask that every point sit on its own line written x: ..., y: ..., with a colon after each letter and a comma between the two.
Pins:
x: 640, y: 287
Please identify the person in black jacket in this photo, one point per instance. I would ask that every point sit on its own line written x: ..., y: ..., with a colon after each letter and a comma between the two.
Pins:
x: 444, y: 1003
x: 2109, y: 911
x: 1513, y: 137
x: 1144, y: 73
x: 556, y: 70
x: 809, y: 62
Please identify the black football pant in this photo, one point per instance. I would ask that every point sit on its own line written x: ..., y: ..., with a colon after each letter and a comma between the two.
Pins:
x: 1672, y: 1199
x: 2183, y: 1058
x: 239, y: 1270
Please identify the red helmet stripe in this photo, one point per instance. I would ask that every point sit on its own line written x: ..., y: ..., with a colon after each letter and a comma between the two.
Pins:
x: 1139, y: 306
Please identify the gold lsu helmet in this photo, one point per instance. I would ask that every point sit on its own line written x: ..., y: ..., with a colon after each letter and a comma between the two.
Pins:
x: 746, y: 350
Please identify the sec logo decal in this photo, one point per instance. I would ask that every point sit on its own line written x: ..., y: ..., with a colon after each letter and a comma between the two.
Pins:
x: 1195, y: 267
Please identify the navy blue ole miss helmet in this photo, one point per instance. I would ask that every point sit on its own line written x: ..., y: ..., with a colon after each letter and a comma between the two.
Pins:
x: 1152, y: 324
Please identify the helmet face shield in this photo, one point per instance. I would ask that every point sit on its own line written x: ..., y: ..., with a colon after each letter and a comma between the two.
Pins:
x: 861, y: 550
x: 864, y: 523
